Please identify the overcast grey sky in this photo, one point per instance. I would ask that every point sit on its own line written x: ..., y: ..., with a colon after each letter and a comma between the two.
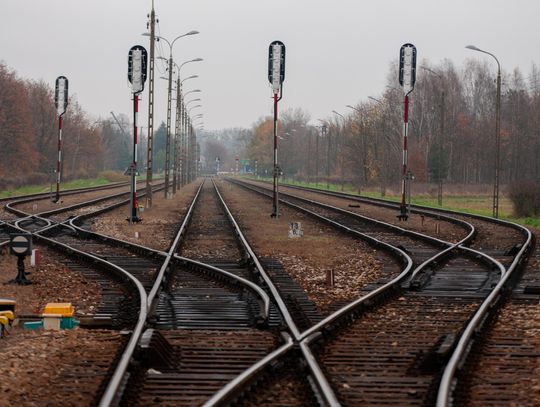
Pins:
x: 338, y: 52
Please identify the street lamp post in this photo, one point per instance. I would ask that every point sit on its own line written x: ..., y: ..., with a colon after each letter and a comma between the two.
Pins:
x: 382, y: 168
x: 341, y: 158
x: 169, y: 102
x: 178, y: 126
x: 441, y: 139
x: 362, y: 175
x: 497, y: 132
x: 191, y: 150
x: 183, y: 143
x: 324, y: 132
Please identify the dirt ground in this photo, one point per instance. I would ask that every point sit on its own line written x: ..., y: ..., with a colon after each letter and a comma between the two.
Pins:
x: 52, y: 281
x: 36, y: 364
x: 40, y: 368
x: 308, y: 258
x: 158, y: 224
x: 430, y: 226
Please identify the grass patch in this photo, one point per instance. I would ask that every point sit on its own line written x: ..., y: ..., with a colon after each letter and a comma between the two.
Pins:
x: 35, y: 189
x: 473, y: 204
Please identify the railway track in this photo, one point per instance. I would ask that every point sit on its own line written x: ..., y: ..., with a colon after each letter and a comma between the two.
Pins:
x: 212, y: 331
x: 118, y: 268
x: 388, y: 347
x: 396, y: 352
x: 494, y: 361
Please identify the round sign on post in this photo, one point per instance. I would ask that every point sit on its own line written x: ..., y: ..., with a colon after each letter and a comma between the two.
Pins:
x: 20, y: 245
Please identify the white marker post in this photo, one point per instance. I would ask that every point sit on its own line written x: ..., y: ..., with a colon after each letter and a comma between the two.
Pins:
x: 137, y: 59
x: 61, y: 102
x: 407, y: 78
x: 276, y: 76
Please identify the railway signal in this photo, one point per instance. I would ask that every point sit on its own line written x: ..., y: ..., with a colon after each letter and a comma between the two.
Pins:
x: 407, y: 78
x: 276, y: 76
x: 61, y: 102
x: 137, y: 60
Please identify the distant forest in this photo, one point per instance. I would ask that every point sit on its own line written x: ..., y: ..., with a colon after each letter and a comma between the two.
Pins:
x: 452, y: 139
x: 29, y: 136
x: 451, y: 134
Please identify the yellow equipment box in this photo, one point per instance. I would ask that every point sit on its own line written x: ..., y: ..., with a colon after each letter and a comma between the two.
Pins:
x: 60, y: 308
x: 4, y: 321
x: 8, y: 314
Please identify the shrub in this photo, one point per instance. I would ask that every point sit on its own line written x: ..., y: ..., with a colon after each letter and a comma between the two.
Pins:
x: 525, y: 195
x: 113, y: 176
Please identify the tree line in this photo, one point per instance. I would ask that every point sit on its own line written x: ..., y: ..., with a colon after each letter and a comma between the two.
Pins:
x: 451, y: 132
x: 29, y: 137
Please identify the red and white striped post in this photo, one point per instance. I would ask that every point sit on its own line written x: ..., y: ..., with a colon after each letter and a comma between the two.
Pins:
x: 276, y: 76
x: 137, y: 59
x: 407, y: 78
x: 61, y: 102
x: 403, y: 207
x: 134, y: 216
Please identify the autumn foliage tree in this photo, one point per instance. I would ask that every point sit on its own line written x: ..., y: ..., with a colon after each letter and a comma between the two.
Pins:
x: 29, y: 134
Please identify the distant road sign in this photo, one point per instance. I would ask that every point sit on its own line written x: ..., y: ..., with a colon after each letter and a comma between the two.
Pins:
x: 276, y: 65
x: 129, y: 170
x: 407, y: 67
x: 61, y: 95
x: 137, y: 59
x: 20, y: 244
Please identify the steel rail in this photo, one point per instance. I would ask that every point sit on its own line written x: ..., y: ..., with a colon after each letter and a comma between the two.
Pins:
x: 431, y: 239
x: 160, y: 277
x: 316, y: 330
x: 425, y: 210
x: 253, y: 258
x: 30, y: 218
x: 10, y: 206
x: 264, y: 299
x: 321, y: 381
x: 72, y: 191
x: 120, y: 369
x: 489, y: 305
x: 325, y: 389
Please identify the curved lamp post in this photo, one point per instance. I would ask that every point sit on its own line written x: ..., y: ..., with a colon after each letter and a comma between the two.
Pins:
x: 169, y: 102
x: 353, y: 108
x: 342, y: 164
x: 497, y: 132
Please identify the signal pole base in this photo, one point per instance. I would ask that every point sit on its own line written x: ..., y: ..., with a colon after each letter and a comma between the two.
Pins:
x: 403, y: 213
x: 275, y: 213
x: 21, y: 274
x: 133, y: 219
